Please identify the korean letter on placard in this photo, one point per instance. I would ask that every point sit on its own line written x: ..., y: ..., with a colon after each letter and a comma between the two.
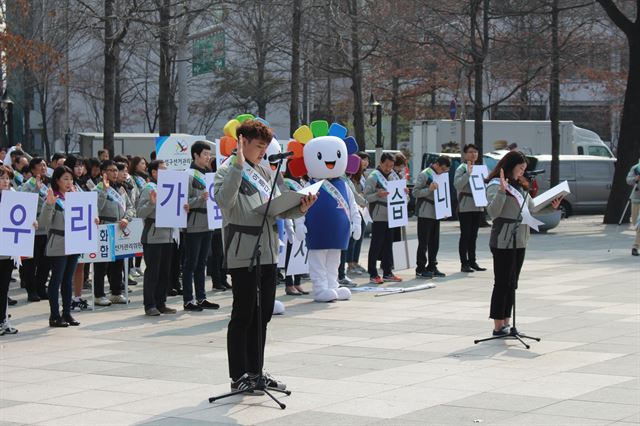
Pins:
x: 442, y: 196
x: 397, y: 203
x: 173, y: 190
x: 80, y: 229
x: 478, y: 188
x: 18, y: 212
x: 214, y: 214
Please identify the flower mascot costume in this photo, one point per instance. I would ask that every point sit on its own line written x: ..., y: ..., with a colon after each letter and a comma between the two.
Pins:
x: 326, y: 153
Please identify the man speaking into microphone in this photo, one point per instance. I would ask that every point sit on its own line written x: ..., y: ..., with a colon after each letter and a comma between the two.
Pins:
x: 242, y: 185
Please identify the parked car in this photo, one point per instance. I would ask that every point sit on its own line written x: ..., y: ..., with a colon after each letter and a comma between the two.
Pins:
x: 589, y: 179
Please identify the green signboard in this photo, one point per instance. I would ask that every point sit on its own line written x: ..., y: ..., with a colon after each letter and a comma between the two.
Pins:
x: 208, y: 53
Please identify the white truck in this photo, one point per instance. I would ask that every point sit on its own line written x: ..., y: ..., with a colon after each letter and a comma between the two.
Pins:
x: 531, y: 137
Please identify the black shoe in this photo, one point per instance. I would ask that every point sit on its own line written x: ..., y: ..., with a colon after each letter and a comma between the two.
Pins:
x: 70, y: 320
x: 424, y: 274
x: 205, y: 304
x: 226, y: 285
x: 437, y: 273
x: 172, y: 292
x: 219, y: 288
x: 634, y: 252
x: 245, y: 384
x: 477, y: 267
x: 11, y: 301
x: 466, y: 268
x: 190, y: 306
x: 501, y: 332
x: 33, y: 298
x: 58, y: 323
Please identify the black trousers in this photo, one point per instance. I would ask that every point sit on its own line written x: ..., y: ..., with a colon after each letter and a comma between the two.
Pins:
x: 62, y: 270
x: 507, y: 264
x: 381, y: 247
x: 244, y: 353
x: 35, y: 271
x: 114, y: 272
x: 6, y: 268
x: 215, y: 262
x: 428, y: 242
x: 176, y: 261
x: 469, y: 225
x: 289, y: 280
x: 157, y: 275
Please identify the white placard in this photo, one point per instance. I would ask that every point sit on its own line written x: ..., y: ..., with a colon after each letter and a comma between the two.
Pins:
x: 175, y: 150
x: 80, y: 229
x: 299, y: 259
x: 173, y: 192
x: 128, y: 240
x: 397, y: 203
x: 479, y: 173
x: 544, y: 199
x: 18, y: 212
x: 442, y: 196
x: 214, y: 214
x: 404, y: 254
x: 282, y: 253
x: 115, y: 243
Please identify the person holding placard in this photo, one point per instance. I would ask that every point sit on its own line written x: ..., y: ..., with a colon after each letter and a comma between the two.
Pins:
x: 63, y: 266
x: 428, y: 225
x: 507, y: 193
x: 157, y: 246
x: 469, y: 215
x: 35, y: 271
x: 240, y: 186
x: 358, y: 181
x: 197, y: 236
x: 6, y: 262
x: 633, y: 179
x: 375, y: 192
x: 114, y: 206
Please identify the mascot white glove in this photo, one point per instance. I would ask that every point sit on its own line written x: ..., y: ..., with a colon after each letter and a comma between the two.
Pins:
x: 288, y: 227
x: 357, y: 231
x: 301, y: 229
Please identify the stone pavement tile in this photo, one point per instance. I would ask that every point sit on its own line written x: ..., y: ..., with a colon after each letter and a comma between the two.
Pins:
x: 35, y: 392
x: 34, y: 361
x: 568, y: 360
x: 324, y: 339
x: 472, y: 383
x: 238, y: 414
x: 4, y: 403
x: 634, y: 418
x: 535, y: 419
x: 622, y: 366
x: 448, y: 415
x: 630, y: 384
x: 98, y: 418
x: 90, y: 381
x: 173, y: 421
x: 502, y: 401
x: 94, y: 399
x: 152, y: 387
x: 372, y: 363
x: 88, y: 353
x: 613, y: 394
x: 305, y: 359
x: 590, y: 410
x: 380, y: 408
x: 35, y: 375
x: 629, y: 348
x: 86, y: 366
x: 344, y: 389
x: 317, y: 418
x: 31, y: 413
x: 328, y: 372
x: 3, y: 423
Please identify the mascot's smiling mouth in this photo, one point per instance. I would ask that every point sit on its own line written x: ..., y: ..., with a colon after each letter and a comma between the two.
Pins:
x: 330, y: 164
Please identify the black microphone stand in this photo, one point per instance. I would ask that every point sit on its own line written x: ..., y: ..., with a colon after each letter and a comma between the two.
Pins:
x: 260, y: 384
x: 513, y: 333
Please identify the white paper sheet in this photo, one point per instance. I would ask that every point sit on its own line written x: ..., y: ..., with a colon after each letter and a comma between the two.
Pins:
x: 18, y: 212
x: 80, y: 229
x: 442, y: 196
x: 173, y: 193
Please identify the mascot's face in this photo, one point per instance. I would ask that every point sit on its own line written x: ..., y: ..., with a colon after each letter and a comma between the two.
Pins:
x: 273, y: 148
x: 325, y: 157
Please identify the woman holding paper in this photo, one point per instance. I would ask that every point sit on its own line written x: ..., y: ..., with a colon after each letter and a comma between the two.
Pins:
x: 468, y: 214
x: 509, y: 202
x: 62, y: 266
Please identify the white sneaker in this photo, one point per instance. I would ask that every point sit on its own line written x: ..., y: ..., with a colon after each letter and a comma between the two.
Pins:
x: 119, y: 299
x: 346, y: 282
x: 103, y: 301
x: 139, y: 272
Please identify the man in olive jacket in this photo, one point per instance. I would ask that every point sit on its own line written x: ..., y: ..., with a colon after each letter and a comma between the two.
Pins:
x: 241, y: 185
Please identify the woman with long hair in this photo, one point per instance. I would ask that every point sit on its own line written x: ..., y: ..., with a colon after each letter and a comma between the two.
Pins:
x: 507, y: 191
x: 353, y: 251
x: 63, y: 266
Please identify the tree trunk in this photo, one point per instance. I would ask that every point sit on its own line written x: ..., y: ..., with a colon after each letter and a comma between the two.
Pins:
x: 164, y: 78
x: 109, y: 78
x: 554, y: 96
x: 45, y: 135
x: 629, y: 139
x: 356, y: 77
x: 117, y: 104
x: 294, y: 110
x: 395, y: 114
x: 305, y: 92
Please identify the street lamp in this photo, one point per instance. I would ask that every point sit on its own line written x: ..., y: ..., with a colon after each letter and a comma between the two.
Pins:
x: 375, y: 105
x: 6, y: 104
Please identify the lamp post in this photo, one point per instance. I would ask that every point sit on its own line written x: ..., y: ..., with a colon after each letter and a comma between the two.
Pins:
x: 375, y: 105
x: 7, y: 110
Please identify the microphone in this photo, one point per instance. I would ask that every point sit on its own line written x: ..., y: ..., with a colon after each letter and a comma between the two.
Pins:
x: 279, y: 157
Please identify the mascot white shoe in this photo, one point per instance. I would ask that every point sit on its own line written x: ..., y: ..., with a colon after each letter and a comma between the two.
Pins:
x: 325, y: 153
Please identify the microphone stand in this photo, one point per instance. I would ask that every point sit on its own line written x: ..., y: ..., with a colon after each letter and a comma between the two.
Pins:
x: 260, y: 384
x: 513, y: 332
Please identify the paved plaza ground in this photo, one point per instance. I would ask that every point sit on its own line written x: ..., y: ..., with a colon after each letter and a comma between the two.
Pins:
x: 400, y: 359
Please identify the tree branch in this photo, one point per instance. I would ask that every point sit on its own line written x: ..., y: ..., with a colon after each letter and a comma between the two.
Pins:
x: 616, y: 15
